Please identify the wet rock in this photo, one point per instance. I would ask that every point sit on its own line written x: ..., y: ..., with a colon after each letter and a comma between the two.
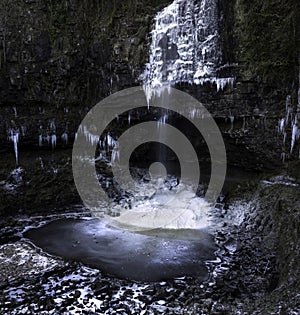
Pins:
x: 268, y: 240
x: 101, y: 289
x: 77, y: 294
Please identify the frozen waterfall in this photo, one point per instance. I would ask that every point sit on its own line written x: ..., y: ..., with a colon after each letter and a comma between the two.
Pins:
x: 185, y: 46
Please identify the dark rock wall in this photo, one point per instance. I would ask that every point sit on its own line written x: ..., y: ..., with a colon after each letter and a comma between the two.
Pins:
x: 59, y: 58
x: 64, y: 52
x: 268, y: 36
x: 65, y: 56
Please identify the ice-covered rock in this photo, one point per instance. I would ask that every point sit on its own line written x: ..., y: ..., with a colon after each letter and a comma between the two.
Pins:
x: 185, y: 46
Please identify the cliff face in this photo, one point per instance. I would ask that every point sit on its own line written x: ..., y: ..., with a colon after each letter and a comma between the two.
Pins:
x: 59, y: 58
x: 64, y: 52
x: 65, y: 56
x: 268, y: 35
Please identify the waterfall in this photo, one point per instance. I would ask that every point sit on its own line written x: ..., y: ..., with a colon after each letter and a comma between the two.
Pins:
x: 185, y: 46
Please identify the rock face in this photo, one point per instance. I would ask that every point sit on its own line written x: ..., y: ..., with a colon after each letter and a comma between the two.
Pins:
x: 58, y: 59
x: 273, y: 223
x: 256, y: 271
x: 71, y: 52
x: 61, y: 57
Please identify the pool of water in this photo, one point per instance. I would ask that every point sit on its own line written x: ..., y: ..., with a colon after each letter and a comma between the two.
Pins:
x: 157, y: 256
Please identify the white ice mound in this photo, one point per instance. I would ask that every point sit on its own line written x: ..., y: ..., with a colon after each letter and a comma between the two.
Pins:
x: 177, y: 208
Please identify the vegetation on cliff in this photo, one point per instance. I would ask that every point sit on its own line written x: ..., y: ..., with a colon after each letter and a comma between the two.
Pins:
x: 269, y: 38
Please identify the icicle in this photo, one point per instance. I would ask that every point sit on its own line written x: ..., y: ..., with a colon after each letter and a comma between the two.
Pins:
x: 295, y: 134
x: 148, y: 92
x: 14, y: 137
x: 91, y: 138
x: 53, y: 141
x: 16, y: 140
x: 40, y: 140
x: 291, y: 120
x: 110, y: 141
x: 15, y: 111
x: 129, y: 119
x: 288, y: 101
x: 162, y: 120
x: 65, y: 138
x: 284, y: 137
x: 159, y: 123
x: 281, y: 125
x: 110, y: 85
x: 222, y: 82
x: 115, y: 156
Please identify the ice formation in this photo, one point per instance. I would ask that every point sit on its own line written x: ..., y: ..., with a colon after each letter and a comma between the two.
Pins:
x: 53, y: 141
x: 90, y: 137
x: 129, y: 119
x: 105, y: 142
x: 185, y: 46
x: 13, y: 136
x: 65, y: 137
x: 156, y: 206
x: 162, y: 120
x: 295, y: 133
x: 288, y: 126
